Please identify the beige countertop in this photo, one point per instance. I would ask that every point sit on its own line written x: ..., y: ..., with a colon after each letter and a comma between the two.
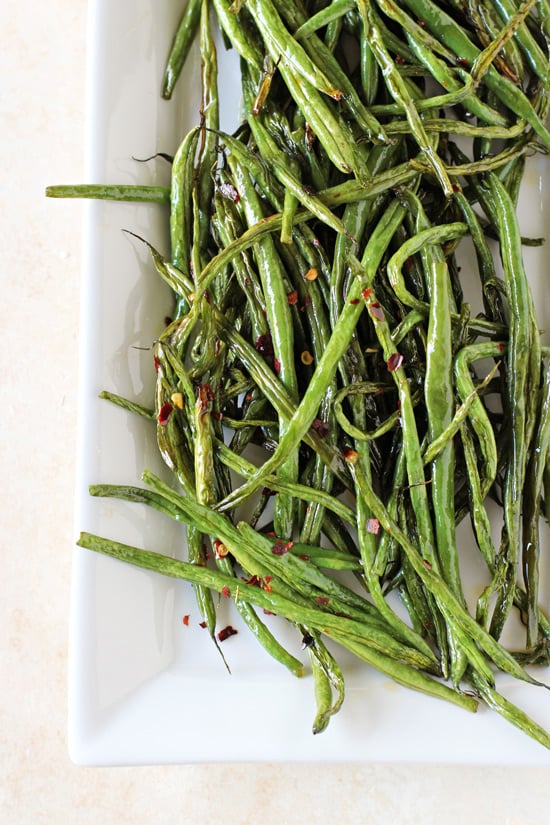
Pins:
x: 42, y: 64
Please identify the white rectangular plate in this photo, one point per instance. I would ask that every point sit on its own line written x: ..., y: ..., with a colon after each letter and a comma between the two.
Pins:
x: 145, y: 688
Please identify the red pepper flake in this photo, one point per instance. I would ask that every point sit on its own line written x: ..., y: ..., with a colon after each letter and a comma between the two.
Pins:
x: 205, y: 398
x: 264, y: 345
x: 217, y: 346
x: 156, y: 362
x: 229, y: 191
x: 372, y: 526
x: 376, y: 311
x: 311, y: 275
x: 292, y: 297
x: 268, y: 612
x: 354, y: 301
x: 268, y: 492
x: 421, y: 23
x: 394, y: 361
x: 202, y: 624
x: 321, y: 427
x: 400, y: 59
x: 462, y: 61
x: 271, y: 534
x: 226, y: 592
x: 164, y: 413
x: 186, y: 620
x: 367, y: 293
x: 351, y: 456
x: 277, y: 365
x: 281, y: 547
x: 316, y: 242
x: 217, y: 416
x: 322, y: 601
x: 455, y: 187
x: 220, y: 550
x: 226, y: 632
x: 501, y: 347
x: 248, y: 397
x: 427, y: 564
x: 304, y: 557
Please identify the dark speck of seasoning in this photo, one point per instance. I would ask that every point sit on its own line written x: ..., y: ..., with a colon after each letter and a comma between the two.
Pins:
x: 320, y: 427
x: 264, y: 345
x: 281, y: 548
x: 226, y: 632
x: 307, y: 640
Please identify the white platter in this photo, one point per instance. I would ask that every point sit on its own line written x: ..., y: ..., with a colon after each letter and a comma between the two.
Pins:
x: 143, y: 687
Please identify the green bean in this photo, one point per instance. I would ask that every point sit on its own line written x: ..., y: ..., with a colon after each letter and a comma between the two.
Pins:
x: 423, y: 46
x: 305, y: 413
x: 295, y: 14
x: 401, y: 96
x: 130, y: 193
x: 528, y: 45
x: 437, y: 587
x: 327, y: 675
x: 181, y: 46
x: 237, y: 33
x: 531, y: 507
x: 334, y: 11
x: 453, y: 36
x: 509, y: 711
x: 522, y: 383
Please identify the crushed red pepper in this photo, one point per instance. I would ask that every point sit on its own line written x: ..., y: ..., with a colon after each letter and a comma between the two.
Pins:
x: 228, y: 191
x: 281, y: 547
x: 321, y: 427
x: 376, y: 311
x: 164, y: 413
x: 351, y: 456
x: 372, y: 526
x: 264, y: 345
x: 394, y: 361
x: 226, y: 632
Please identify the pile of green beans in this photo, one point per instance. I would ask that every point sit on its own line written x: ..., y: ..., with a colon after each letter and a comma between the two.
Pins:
x: 321, y: 323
